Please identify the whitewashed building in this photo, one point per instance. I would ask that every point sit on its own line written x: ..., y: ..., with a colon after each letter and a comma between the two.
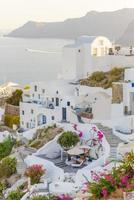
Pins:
x: 77, y: 57
x: 128, y: 91
x: 61, y: 101
x: 126, y: 104
x: 92, y: 53
x: 48, y: 102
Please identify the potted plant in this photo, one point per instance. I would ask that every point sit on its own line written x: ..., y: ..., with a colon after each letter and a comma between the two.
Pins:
x: 68, y: 139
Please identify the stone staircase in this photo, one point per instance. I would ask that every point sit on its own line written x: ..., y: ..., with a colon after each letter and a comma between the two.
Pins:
x: 21, y: 167
x: 60, y: 163
x: 112, y: 139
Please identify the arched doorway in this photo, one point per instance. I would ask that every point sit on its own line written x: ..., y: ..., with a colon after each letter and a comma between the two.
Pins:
x: 41, y: 119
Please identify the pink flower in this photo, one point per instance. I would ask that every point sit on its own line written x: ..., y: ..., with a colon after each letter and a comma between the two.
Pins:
x: 94, y: 128
x: 124, y: 180
x: 95, y: 176
x: 109, y: 178
x: 75, y: 127
x: 80, y: 134
x: 64, y: 198
x: 104, y: 192
x: 100, y: 135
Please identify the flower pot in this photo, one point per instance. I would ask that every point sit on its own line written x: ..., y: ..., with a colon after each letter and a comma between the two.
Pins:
x: 128, y: 195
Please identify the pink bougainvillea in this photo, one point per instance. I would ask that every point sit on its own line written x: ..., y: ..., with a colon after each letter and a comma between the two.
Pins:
x: 100, y: 135
x: 124, y: 180
x: 80, y: 133
x: 75, y: 127
x: 64, y: 197
x: 104, y: 192
x: 35, y: 172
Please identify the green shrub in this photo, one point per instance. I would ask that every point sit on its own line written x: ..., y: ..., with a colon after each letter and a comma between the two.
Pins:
x: 104, y: 79
x: 15, y: 98
x: 44, y: 197
x: 116, y: 71
x: 27, y: 87
x: 6, y: 147
x: 98, y: 76
x: 8, y: 166
x: 15, y: 195
x: 40, y: 198
x: 9, y: 120
x: 68, y: 139
x: 36, y: 143
x: 2, y: 188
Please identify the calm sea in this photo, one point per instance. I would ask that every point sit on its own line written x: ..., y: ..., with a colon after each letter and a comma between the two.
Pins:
x: 27, y: 60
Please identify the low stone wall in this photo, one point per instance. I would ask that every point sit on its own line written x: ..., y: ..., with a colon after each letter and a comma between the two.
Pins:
x: 117, y: 93
x: 12, y: 110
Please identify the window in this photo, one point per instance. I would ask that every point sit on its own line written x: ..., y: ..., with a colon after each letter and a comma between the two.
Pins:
x: 39, y: 96
x: 35, y: 88
x: 32, y: 95
x: 68, y: 103
x: 52, y: 117
x: 94, y: 51
x: 23, y: 112
x: 79, y: 50
x: 57, y: 101
x: 43, y: 91
x: 57, y: 92
x: 27, y: 125
x: 52, y: 99
x: 32, y: 111
x: 22, y: 123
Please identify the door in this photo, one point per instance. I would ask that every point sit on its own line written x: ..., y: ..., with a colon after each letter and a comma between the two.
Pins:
x: 132, y: 103
x: 43, y: 119
x: 57, y: 101
x: 64, y: 114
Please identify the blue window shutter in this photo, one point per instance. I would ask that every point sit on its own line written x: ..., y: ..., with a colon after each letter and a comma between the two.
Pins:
x: 132, y: 84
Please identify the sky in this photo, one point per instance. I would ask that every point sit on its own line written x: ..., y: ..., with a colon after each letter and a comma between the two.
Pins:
x: 14, y: 13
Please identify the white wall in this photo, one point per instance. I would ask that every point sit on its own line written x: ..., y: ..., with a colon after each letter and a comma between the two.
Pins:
x: 102, y: 107
x: 69, y: 63
x: 129, y: 74
x: 127, y: 89
x: 117, y: 110
x: 107, y: 62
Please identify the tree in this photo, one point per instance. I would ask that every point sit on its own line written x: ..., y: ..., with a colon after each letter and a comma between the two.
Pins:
x: 68, y: 139
x: 15, y: 98
x: 6, y: 147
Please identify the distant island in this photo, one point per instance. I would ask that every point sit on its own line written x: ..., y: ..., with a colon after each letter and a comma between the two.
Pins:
x: 116, y: 25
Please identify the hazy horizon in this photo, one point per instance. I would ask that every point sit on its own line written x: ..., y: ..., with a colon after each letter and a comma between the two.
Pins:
x: 17, y: 12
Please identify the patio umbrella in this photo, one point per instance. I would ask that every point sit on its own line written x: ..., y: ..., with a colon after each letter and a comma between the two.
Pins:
x: 84, y: 147
x: 75, y: 151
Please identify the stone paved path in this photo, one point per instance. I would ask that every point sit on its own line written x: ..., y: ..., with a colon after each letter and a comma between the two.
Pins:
x: 112, y: 139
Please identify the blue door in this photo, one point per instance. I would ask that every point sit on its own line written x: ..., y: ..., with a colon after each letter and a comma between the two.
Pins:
x: 43, y: 119
x: 64, y: 114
